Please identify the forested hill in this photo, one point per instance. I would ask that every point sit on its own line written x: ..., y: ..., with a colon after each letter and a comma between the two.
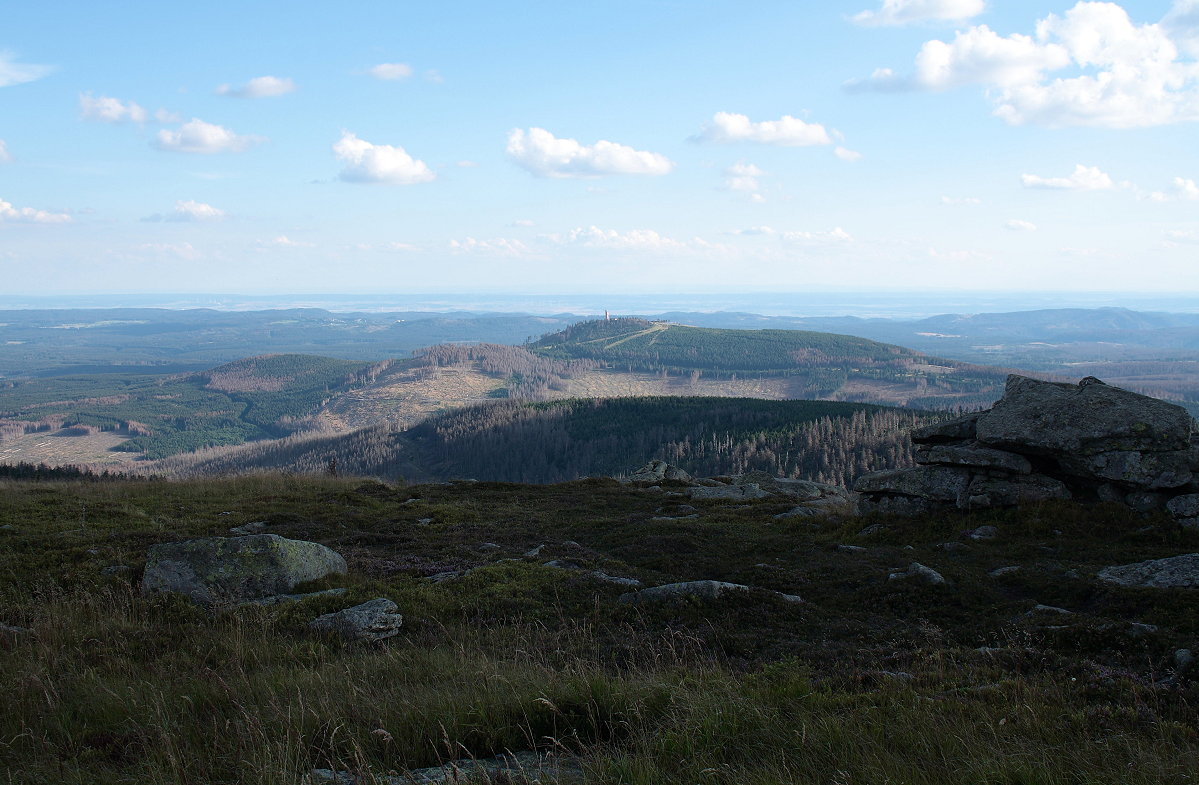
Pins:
x: 561, y: 440
x: 645, y: 345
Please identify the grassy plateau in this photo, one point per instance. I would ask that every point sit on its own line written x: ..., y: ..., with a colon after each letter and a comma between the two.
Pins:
x: 868, y: 681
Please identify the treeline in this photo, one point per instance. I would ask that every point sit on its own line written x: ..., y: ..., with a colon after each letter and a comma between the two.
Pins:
x: 549, y: 442
x: 40, y: 471
x: 528, y: 376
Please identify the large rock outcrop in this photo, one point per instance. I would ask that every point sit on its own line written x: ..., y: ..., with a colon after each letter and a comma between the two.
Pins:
x: 230, y: 570
x: 1046, y: 440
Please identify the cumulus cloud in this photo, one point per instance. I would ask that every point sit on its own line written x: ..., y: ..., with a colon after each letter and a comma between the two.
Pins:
x: 378, y: 163
x: 1017, y: 225
x: 1083, y: 178
x: 755, y: 231
x: 5, y: 157
x: 259, y: 87
x: 390, y: 72
x: 1182, y: 190
x: 1176, y: 236
x: 187, y: 211
x: 283, y: 241
x: 110, y: 110
x: 903, y: 12
x: 611, y: 239
x: 787, y: 131
x: 742, y: 177
x: 833, y: 236
x: 1118, y: 74
x: 197, y: 136
x: 499, y: 246
x: 12, y: 72
x: 846, y: 154
x: 543, y: 154
x: 28, y: 215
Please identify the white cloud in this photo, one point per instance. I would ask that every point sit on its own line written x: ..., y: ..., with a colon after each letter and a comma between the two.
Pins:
x: 902, y: 12
x: 197, y: 136
x: 283, y: 241
x: 1175, y: 236
x: 846, y: 154
x: 1083, y: 178
x: 5, y: 157
x: 259, y: 87
x: 187, y: 211
x: 165, y: 116
x: 742, y: 177
x: 110, y: 110
x: 1121, y: 74
x: 1017, y: 225
x: 543, y: 154
x: 500, y: 246
x: 836, y: 235
x: 1182, y: 25
x: 1183, y: 190
x: 632, y: 240
x: 10, y: 214
x: 966, y: 200
x: 755, y: 231
x: 390, y: 72
x: 12, y: 73
x: 434, y: 76
x: 787, y: 131
x: 378, y: 163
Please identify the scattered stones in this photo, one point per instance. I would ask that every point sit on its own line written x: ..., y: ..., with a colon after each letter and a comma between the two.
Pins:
x: 424, y: 521
x: 953, y: 547
x: 917, y: 571
x: 872, y: 530
x: 676, y: 509
x: 371, y: 621
x: 1185, y: 510
x: 1184, y: 661
x: 230, y: 570
x: 1175, y: 572
x: 850, y: 549
x: 983, y: 533
x: 533, y: 553
x: 693, y: 516
x: 999, y: 572
x: 488, y: 546
x: 253, y: 527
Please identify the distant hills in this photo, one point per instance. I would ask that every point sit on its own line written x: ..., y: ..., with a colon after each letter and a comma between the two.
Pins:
x: 561, y: 440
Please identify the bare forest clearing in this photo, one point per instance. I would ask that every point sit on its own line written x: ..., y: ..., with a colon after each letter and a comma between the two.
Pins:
x: 56, y: 448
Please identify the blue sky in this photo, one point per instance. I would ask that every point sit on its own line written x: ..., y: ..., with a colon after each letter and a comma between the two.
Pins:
x: 610, y: 146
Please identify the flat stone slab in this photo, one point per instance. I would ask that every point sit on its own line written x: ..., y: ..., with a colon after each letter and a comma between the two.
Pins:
x: 739, y: 492
x: 974, y: 456
x: 1174, y: 572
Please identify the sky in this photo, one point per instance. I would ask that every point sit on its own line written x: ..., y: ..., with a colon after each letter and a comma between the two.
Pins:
x: 608, y: 146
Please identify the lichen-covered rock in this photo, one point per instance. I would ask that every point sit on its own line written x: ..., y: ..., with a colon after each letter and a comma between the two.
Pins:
x: 986, y: 492
x: 1169, y: 469
x: 974, y: 456
x: 935, y: 483
x: 887, y: 504
x: 658, y: 471
x: 1036, y: 417
x: 919, y: 572
x: 226, y: 570
x: 704, y: 590
x: 371, y: 621
x: 736, y: 492
x: 952, y: 431
x: 1185, y: 506
x: 1175, y: 572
